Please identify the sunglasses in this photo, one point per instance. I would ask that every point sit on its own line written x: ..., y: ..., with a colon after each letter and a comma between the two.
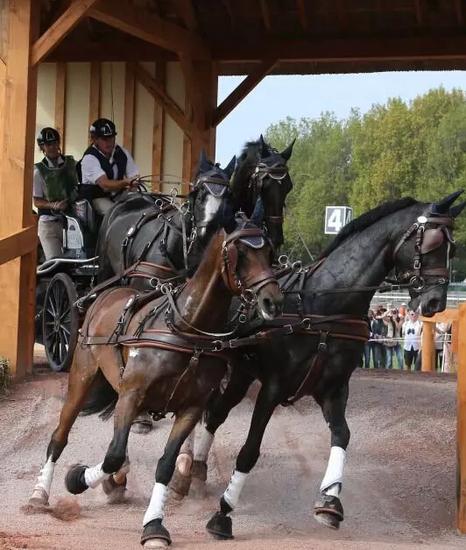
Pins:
x: 410, y: 331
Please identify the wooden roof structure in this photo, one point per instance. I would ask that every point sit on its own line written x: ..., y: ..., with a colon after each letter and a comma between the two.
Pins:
x: 300, y: 36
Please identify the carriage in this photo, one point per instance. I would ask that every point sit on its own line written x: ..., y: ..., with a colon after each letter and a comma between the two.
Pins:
x: 61, y: 282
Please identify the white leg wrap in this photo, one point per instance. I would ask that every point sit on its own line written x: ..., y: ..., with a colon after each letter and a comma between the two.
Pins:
x: 44, y: 481
x: 156, y: 504
x: 205, y: 443
x: 233, y: 491
x: 334, y: 472
x: 94, y: 476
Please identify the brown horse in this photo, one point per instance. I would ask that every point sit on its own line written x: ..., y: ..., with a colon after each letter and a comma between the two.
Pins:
x: 169, y: 362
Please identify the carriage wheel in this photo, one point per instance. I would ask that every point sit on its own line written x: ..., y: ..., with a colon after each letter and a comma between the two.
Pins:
x: 60, y: 322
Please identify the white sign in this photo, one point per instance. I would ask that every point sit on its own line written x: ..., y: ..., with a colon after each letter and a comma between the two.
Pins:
x: 336, y: 217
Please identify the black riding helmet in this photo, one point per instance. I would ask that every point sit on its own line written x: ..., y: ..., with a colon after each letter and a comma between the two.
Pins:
x: 103, y: 127
x: 47, y: 135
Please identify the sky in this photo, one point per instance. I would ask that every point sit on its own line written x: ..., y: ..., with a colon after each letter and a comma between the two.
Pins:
x: 277, y: 97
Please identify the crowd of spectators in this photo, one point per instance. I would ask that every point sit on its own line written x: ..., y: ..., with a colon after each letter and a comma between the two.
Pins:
x: 395, y: 340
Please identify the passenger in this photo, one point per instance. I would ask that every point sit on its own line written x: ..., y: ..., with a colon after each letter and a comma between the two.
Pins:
x: 55, y: 186
x: 106, y: 168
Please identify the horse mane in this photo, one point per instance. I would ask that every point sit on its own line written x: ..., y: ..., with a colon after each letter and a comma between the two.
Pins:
x: 367, y: 219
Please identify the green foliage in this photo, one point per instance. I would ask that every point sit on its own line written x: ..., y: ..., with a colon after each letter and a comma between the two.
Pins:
x: 398, y: 149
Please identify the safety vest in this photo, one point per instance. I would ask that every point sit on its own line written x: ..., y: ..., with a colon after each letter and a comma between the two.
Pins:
x: 119, y: 159
x: 60, y: 181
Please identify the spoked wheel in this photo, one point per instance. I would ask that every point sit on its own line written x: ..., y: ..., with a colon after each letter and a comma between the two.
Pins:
x: 60, y: 322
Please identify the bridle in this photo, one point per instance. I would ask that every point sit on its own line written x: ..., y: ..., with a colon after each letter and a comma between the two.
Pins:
x: 277, y: 171
x: 248, y: 288
x: 426, y: 240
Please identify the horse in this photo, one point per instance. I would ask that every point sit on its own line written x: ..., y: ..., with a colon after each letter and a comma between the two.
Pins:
x: 170, y: 361
x: 164, y: 240
x: 260, y: 184
x: 319, y: 341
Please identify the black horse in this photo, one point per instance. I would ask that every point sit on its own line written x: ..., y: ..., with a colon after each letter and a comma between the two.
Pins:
x: 260, y: 184
x: 408, y: 238
x: 166, y: 239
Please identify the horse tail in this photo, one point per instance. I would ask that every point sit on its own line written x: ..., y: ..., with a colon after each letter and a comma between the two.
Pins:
x: 102, y: 398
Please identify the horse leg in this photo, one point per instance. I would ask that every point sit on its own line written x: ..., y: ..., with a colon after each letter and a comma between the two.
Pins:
x: 79, y: 383
x: 220, y: 524
x: 328, y: 509
x: 218, y: 409
x: 79, y: 477
x: 154, y: 534
x: 181, y: 480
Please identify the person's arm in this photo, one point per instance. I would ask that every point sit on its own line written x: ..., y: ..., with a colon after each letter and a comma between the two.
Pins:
x: 132, y: 170
x: 92, y: 173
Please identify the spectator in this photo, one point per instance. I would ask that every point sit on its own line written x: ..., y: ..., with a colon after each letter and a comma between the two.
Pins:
x: 412, y: 329
x: 441, y: 331
x: 369, y: 346
x: 389, y: 341
x: 398, y: 349
x: 378, y: 334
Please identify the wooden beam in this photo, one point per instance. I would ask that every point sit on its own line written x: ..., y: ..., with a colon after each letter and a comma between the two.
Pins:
x: 302, y: 14
x: 149, y: 27
x: 265, y: 9
x: 130, y: 88
x: 57, y: 32
x: 95, y: 92
x: 17, y: 277
x: 159, y: 128
x: 185, y: 10
x: 242, y: 90
x: 419, y: 12
x: 459, y: 12
x: 334, y: 50
x: 163, y: 98
x: 231, y: 13
x: 18, y: 244
x: 461, y: 423
x: 60, y: 102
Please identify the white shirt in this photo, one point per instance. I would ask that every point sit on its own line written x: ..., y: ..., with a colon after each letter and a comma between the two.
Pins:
x: 38, y: 184
x: 412, y: 335
x: 92, y: 171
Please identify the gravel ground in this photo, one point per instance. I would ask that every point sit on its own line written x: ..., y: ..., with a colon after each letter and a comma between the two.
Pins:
x: 399, y: 489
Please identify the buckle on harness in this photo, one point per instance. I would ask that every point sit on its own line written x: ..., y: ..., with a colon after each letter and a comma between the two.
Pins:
x: 323, y: 342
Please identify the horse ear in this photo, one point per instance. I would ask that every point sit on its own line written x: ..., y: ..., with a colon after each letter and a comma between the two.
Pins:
x: 230, y: 167
x: 443, y: 206
x: 263, y: 145
x: 204, y: 164
x: 456, y: 210
x: 286, y: 153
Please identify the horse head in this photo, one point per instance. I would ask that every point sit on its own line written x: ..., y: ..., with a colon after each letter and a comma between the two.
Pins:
x: 260, y: 185
x: 422, y: 256
x: 210, y: 197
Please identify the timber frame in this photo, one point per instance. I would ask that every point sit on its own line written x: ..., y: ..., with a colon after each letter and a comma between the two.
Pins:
x: 208, y: 38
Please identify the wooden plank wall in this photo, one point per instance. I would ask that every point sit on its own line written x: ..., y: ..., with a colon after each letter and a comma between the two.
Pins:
x: 72, y: 95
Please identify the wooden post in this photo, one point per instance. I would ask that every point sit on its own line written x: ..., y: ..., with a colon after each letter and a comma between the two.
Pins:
x: 461, y: 422
x: 60, y: 102
x: 17, y: 277
x: 427, y: 346
x: 130, y: 86
x: 94, y: 92
x: 159, y: 126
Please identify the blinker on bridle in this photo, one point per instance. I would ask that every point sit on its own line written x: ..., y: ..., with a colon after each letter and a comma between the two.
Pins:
x: 427, y: 240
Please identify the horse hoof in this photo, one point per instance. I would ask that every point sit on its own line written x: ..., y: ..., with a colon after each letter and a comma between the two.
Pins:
x: 329, y: 520
x: 155, y: 535
x: 142, y: 425
x: 220, y: 526
x: 328, y: 511
x: 179, y: 485
x: 115, y: 492
x: 39, y: 498
x: 74, y: 480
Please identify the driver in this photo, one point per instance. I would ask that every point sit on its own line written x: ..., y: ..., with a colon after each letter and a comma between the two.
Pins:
x: 54, y: 190
x: 106, y: 168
